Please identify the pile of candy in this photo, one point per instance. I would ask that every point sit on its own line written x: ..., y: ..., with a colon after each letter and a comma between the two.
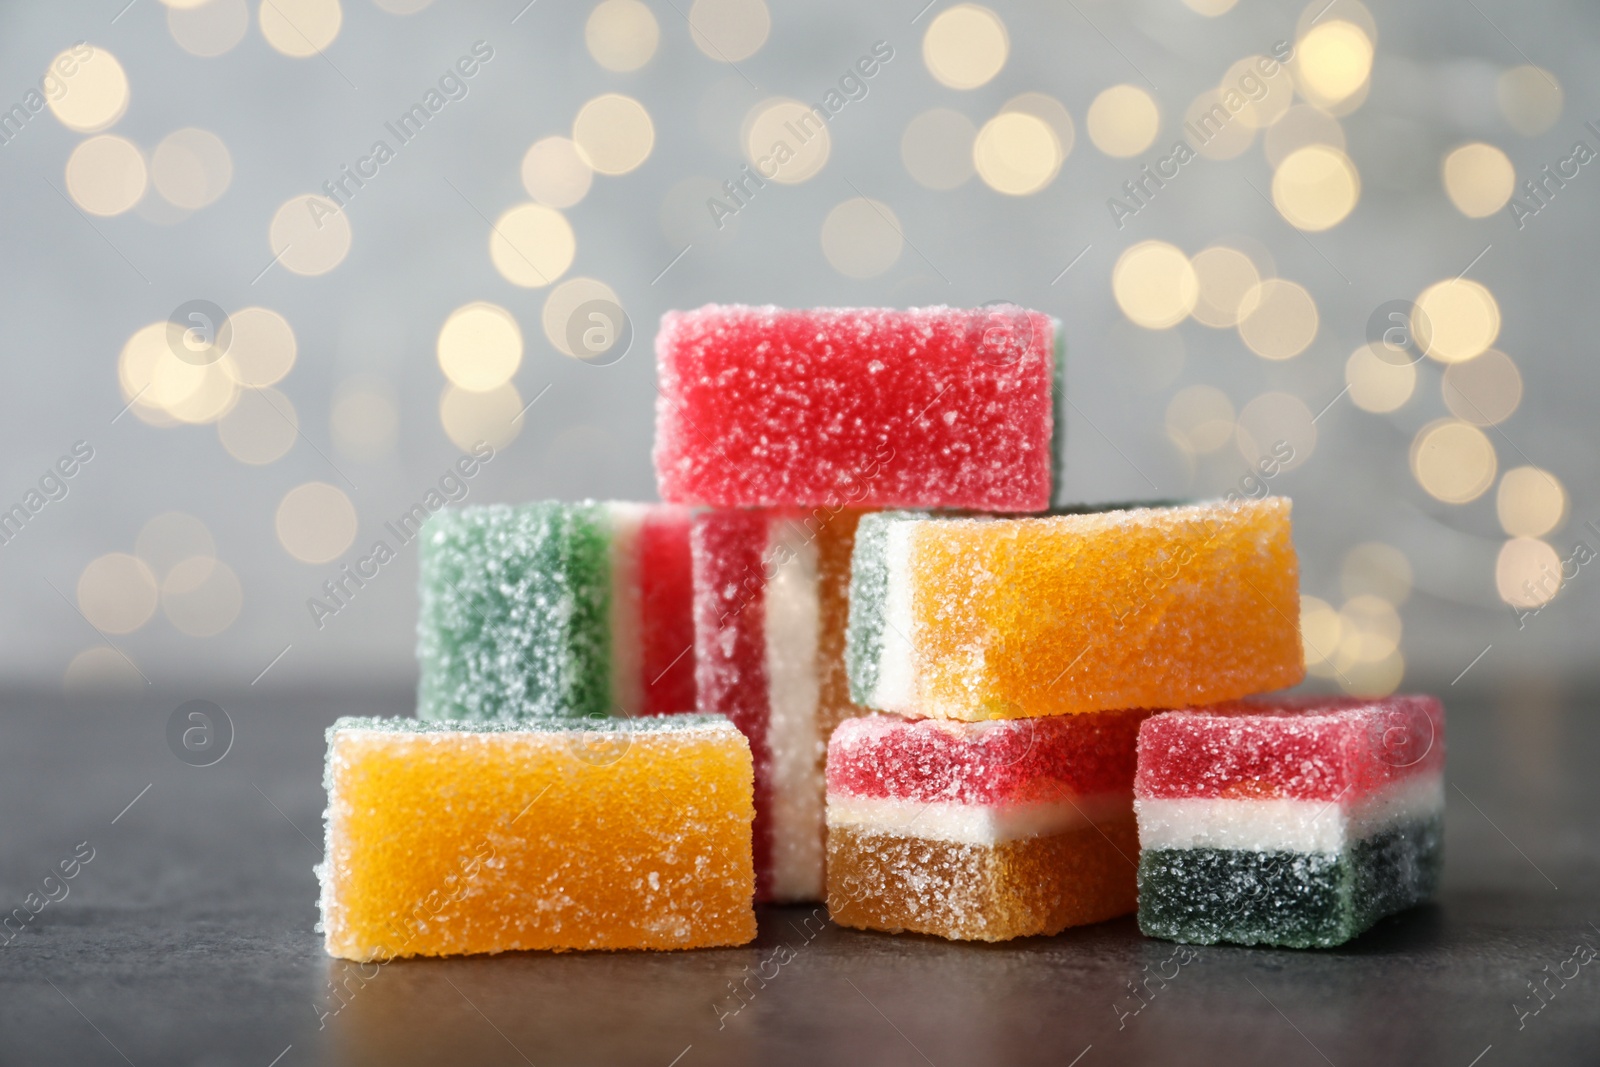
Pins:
x: 856, y: 657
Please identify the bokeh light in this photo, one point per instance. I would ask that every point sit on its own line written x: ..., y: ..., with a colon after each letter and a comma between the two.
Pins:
x: 1267, y: 98
x: 613, y: 133
x: 1479, y: 179
x: 965, y: 46
x: 785, y: 141
x: 101, y: 672
x: 1210, y: 8
x: 480, y: 347
x: 1531, y: 502
x: 861, y: 238
x: 1017, y: 153
x: 315, y: 522
x: 1527, y: 573
x: 532, y: 245
x: 1213, y: 130
x: 1453, y: 461
x: 1462, y: 319
x: 1369, y: 630
x: 365, y: 418
x: 1484, y: 390
x: 1376, y: 569
x: 209, y: 29
x: 263, y: 349
x: 191, y: 168
x: 300, y: 28
x: 201, y: 597
x: 563, y: 303
x: 936, y: 148
x: 1319, y: 635
x: 1200, y: 418
x: 1282, y: 320
x: 167, y: 539
x: 1154, y: 284
x: 1272, y: 421
x: 729, y: 30
x: 97, y: 88
x: 621, y: 34
x: 1377, y: 384
x: 106, y: 175
x: 260, y: 428
x: 1530, y: 99
x: 1302, y: 125
x: 1333, y: 60
x: 469, y: 417
x: 117, y: 593
x: 555, y: 173
x: 1316, y: 187
x: 1228, y: 286
x: 1123, y: 121
x: 309, y: 234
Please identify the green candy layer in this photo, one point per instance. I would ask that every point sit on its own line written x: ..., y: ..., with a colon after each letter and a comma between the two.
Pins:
x: 515, y: 616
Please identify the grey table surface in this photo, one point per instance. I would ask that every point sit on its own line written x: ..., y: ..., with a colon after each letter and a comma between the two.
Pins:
x: 187, y: 938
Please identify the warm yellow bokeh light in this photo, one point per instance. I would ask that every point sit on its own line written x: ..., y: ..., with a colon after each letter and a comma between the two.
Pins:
x: 1332, y: 61
x: 621, y: 34
x: 1530, y: 98
x: 1453, y: 461
x: 965, y: 46
x: 563, y: 303
x: 480, y: 347
x: 1154, y: 284
x: 1479, y: 179
x: 1484, y: 390
x: 365, y: 418
x: 1210, y: 8
x: 1316, y: 187
x: 106, y: 175
x: 1200, y: 419
x: 1531, y: 502
x: 1214, y: 130
x: 1527, y: 573
x: 1376, y: 384
x: 300, y: 28
x: 1461, y: 319
x: 310, y: 234
x: 117, y: 593
x: 729, y: 30
x: 1268, y: 97
x: 315, y: 522
x: 1376, y: 569
x: 937, y: 148
x: 861, y: 238
x: 493, y: 417
x: 1123, y: 121
x: 201, y: 597
x: 613, y: 133
x: 93, y: 91
x: 1282, y: 321
x: 1228, y: 286
x: 191, y: 168
x: 1320, y: 634
x: 1017, y: 153
x: 1272, y: 424
x: 263, y: 347
x: 261, y: 428
x: 209, y: 29
x: 167, y: 539
x: 555, y: 173
x: 532, y: 245
x: 786, y: 141
x: 101, y: 672
x: 1300, y: 126
x: 1369, y: 630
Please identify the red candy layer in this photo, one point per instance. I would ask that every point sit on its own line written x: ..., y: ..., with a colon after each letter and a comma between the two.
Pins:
x: 666, y: 594
x: 1308, y: 748
x: 994, y: 762
x: 931, y: 407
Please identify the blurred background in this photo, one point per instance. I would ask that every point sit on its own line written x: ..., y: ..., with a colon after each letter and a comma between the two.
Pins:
x: 271, y: 268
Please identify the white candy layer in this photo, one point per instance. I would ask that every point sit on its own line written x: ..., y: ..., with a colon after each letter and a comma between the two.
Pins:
x: 1285, y: 825
x: 627, y: 688
x: 896, y: 688
x: 976, y: 824
x: 793, y: 619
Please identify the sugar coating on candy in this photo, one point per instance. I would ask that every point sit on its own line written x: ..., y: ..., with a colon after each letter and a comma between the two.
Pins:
x: 449, y: 838
x: 978, y: 618
x: 554, y: 609
x: 866, y: 407
x: 770, y: 611
x: 981, y: 831
x: 1296, y: 822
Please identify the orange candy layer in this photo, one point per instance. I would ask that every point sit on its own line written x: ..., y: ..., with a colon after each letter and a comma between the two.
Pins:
x: 448, y: 838
x: 1145, y: 608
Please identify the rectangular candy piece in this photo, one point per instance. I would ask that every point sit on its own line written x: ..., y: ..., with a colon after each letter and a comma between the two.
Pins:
x: 448, y: 838
x: 981, y: 831
x: 930, y: 407
x: 771, y: 605
x: 554, y: 609
x: 1145, y: 607
x: 1296, y: 822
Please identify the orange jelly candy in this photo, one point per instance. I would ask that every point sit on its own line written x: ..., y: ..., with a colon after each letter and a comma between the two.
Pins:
x: 1148, y: 607
x: 448, y: 838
